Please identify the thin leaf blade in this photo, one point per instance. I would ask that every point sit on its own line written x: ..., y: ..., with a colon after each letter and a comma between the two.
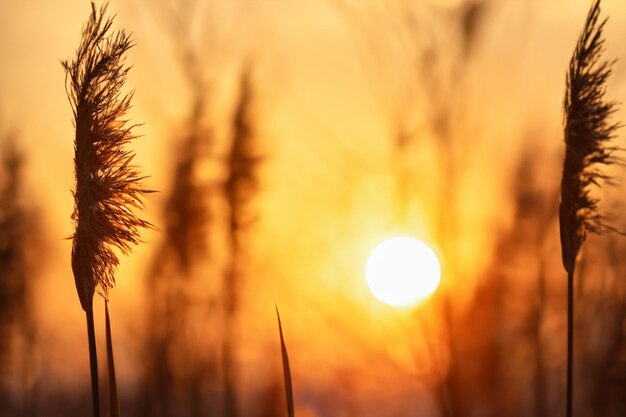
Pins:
x: 115, y: 404
x: 286, y: 369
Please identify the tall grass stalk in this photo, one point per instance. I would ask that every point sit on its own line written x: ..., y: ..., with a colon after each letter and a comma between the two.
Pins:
x: 588, y: 134
x: 20, y: 244
x: 107, y: 184
x: 239, y: 190
x: 286, y: 369
x: 113, y: 397
x: 173, y: 271
x: 173, y: 364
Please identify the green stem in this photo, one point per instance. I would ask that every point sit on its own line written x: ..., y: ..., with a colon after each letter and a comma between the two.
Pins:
x: 93, y: 361
x: 570, y: 341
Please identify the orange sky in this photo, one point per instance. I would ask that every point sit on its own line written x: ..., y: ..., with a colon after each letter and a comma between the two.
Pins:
x: 327, y: 184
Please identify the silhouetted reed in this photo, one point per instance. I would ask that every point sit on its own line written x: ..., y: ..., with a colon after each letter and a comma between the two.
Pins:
x: 599, y: 329
x: 114, y: 400
x: 176, y: 374
x: 108, y: 186
x: 239, y: 189
x: 19, y: 242
x: 286, y: 369
x: 428, y: 73
x: 184, y: 246
x: 13, y: 279
x: 588, y: 134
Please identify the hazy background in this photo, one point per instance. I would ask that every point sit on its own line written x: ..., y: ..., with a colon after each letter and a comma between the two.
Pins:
x: 334, y: 86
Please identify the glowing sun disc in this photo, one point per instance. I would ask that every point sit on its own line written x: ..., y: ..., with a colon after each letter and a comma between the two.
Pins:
x: 402, y: 270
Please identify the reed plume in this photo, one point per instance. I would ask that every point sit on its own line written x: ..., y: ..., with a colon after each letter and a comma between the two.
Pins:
x: 19, y: 245
x: 243, y: 160
x: 173, y: 362
x: 187, y: 218
x: 108, y: 186
x: 187, y: 211
x: 588, y: 135
x: 239, y: 188
x: 13, y: 276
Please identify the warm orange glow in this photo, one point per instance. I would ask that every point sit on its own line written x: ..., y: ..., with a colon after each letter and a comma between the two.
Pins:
x: 436, y: 119
x: 402, y: 271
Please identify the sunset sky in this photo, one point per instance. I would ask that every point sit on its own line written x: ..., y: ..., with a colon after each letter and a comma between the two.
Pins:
x: 332, y: 93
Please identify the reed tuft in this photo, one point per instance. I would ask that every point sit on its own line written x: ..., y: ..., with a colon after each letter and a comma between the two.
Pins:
x: 22, y: 254
x: 588, y: 136
x: 108, y: 186
x: 239, y: 189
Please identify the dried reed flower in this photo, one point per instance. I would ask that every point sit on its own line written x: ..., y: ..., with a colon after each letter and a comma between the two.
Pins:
x: 187, y: 211
x: 13, y: 229
x: 108, y: 186
x: 588, y: 135
x: 186, y: 220
x: 240, y: 186
x: 21, y: 253
x: 243, y: 160
x: 14, y: 243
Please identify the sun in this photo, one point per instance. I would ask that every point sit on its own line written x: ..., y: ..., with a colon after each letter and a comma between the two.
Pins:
x: 402, y: 271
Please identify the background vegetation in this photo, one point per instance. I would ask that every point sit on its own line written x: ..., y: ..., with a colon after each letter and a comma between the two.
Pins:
x: 286, y: 139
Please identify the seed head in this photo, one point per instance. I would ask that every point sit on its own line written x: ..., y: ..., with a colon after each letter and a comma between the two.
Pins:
x: 108, y: 186
x: 588, y: 136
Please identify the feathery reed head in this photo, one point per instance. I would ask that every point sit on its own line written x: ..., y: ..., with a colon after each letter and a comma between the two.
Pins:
x: 588, y: 134
x: 243, y: 159
x: 187, y: 210
x: 107, y: 184
x: 13, y: 239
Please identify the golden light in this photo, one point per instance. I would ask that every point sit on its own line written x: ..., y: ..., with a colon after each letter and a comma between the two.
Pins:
x: 402, y: 271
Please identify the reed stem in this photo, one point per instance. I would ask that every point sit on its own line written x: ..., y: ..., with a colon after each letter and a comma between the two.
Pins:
x: 570, y: 342
x: 93, y: 361
x: 115, y: 405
